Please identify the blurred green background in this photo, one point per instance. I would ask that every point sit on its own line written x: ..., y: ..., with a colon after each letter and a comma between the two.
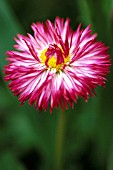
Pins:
x: 79, y: 139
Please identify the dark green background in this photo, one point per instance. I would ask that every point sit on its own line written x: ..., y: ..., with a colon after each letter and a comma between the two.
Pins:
x: 29, y: 139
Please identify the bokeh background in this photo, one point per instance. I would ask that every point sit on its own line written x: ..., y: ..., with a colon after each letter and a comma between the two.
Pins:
x: 79, y: 139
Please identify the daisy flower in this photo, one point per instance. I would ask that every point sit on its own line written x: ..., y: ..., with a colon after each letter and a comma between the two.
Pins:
x: 56, y: 65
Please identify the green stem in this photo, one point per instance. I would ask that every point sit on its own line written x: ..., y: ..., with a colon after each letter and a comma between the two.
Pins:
x: 60, y: 134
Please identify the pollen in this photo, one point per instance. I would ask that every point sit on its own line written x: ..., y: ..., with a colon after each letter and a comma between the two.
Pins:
x: 42, y: 56
x: 52, y: 61
x: 67, y: 59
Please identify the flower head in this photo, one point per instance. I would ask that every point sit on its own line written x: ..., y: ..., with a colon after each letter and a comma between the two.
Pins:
x: 56, y: 65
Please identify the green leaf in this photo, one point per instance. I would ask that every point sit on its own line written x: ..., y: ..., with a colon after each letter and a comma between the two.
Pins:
x: 9, y: 27
x: 9, y: 162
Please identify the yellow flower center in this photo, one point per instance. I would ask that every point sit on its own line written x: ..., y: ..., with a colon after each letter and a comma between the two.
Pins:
x: 52, y: 61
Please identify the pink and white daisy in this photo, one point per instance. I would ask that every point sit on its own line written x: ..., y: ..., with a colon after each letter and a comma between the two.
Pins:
x: 56, y: 65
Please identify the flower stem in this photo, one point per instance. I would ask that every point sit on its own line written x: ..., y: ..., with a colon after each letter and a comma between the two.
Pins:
x: 60, y: 137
